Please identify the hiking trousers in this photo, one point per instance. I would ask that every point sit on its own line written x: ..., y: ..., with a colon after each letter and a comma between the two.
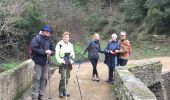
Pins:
x: 94, y: 64
x: 122, y: 62
x: 40, y: 76
x: 65, y: 73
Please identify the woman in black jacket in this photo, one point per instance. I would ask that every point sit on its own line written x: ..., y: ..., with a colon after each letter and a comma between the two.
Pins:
x: 93, y: 48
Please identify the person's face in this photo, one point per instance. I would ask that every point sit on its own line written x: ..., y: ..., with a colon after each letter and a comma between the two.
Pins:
x: 113, y: 39
x: 97, y: 37
x: 122, y: 37
x: 66, y: 38
x: 46, y: 33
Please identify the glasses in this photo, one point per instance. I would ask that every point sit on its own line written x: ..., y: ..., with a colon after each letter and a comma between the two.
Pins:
x: 122, y: 35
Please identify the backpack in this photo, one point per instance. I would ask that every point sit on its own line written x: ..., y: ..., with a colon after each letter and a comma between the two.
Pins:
x: 30, y: 48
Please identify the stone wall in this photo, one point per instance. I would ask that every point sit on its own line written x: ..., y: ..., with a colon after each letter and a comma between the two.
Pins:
x: 128, y: 87
x: 148, y: 72
x: 15, y: 81
x: 166, y: 80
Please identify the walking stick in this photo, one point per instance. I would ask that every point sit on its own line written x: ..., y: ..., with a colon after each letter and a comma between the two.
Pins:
x: 77, y: 77
x: 49, y: 76
x: 65, y: 76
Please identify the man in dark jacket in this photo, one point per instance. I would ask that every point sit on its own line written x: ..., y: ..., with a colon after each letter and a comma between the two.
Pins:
x: 111, y: 57
x: 42, y: 49
x: 93, y: 48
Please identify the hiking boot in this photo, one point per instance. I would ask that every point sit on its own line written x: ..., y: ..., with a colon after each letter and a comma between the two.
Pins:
x: 61, y: 95
x: 66, y: 94
x: 111, y: 82
x: 97, y: 78
x: 93, y: 78
x: 40, y: 97
x: 107, y: 81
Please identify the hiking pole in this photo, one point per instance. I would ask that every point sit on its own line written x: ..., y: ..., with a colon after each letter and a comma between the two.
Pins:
x: 49, y: 76
x: 77, y: 77
x: 65, y: 76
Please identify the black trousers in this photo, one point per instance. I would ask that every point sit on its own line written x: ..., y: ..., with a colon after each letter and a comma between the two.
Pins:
x: 122, y: 62
x: 110, y: 73
x: 94, y: 64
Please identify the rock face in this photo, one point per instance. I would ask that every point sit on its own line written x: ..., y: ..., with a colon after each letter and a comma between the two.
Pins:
x: 148, y: 72
x: 166, y: 80
x: 141, y: 82
x: 15, y: 81
x: 128, y: 87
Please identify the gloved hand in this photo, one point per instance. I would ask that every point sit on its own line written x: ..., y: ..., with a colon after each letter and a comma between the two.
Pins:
x: 106, y: 51
x: 112, y: 52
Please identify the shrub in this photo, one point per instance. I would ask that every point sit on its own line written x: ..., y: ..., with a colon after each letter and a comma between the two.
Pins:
x: 134, y: 10
x: 158, y: 19
x: 100, y: 24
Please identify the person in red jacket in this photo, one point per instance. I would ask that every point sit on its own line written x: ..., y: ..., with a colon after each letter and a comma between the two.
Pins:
x: 125, y: 49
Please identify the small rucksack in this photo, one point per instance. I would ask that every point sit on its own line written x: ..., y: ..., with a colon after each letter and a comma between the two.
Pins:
x: 30, y: 48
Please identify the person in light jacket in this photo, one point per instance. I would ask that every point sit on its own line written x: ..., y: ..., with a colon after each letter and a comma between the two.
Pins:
x: 64, y: 55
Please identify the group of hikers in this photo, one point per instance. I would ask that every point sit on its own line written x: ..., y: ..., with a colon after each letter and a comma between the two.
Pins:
x: 116, y: 54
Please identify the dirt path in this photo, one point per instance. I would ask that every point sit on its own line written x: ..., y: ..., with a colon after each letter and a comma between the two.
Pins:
x: 92, y: 90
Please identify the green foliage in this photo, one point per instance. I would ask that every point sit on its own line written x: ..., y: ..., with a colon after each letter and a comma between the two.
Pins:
x: 145, y: 49
x: 11, y: 64
x: 129, y: 27
x: 134, y: 10
x: 25, y: 20
x: 53, y: 60
x: 155, y: 12
x: 115, y: 22
x: 158, y: 18
x: 81, y: 2
x: 32, y: 18
x: 100, y: 24
x: 78, y: 49
x: 90, y: 21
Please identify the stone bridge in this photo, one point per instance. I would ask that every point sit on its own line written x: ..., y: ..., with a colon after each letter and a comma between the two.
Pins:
x: 134, y: 82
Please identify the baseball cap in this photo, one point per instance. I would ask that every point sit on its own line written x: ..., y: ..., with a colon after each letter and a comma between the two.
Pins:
x: 47, y: 28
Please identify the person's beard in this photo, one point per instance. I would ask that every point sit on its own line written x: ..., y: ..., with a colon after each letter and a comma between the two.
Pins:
x: 46, y: 37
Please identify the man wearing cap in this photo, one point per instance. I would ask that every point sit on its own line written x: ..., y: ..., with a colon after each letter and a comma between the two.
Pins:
x: 111, y: 57
x: 42, y: 49
x: 125, y: 49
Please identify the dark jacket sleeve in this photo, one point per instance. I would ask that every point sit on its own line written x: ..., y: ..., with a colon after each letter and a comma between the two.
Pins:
x: 86, y: 49
x: 106, y: 49
x: 35, y: 47
x: 52, y: 48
